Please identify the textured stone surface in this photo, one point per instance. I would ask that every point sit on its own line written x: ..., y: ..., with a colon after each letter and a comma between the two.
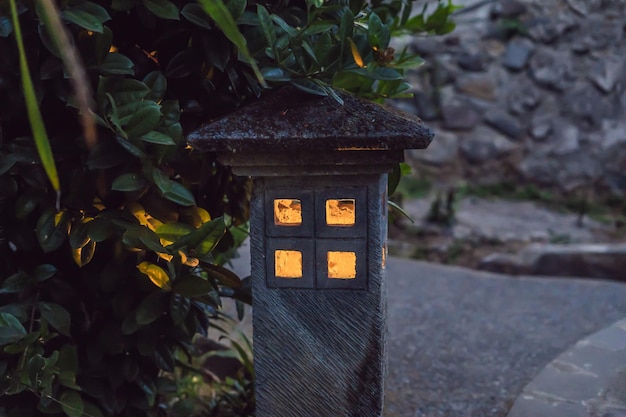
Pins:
x: 517, y: 54
x: 605, y: 261
x: 459, y: 117
x: 295, y: 121
x: 549, y: 65
x: 588, y: 379
x: 484, y: 144
x: 319, y: 351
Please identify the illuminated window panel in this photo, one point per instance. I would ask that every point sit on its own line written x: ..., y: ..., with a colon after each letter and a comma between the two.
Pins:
x: 288, y: 264
x: 287, y: 212
x: 341, y: 265
x: 341, y: 212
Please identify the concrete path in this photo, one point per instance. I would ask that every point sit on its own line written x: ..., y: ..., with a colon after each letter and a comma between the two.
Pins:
x: 465, y: 344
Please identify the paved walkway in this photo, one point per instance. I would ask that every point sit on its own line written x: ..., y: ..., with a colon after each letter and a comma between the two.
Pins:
x: 465, y: 344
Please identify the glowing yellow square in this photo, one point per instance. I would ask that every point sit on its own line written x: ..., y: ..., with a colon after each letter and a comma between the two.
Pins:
x: 288, y: 264
x: 342, y: 265
x: 341, y: 212
x: 287, y: 212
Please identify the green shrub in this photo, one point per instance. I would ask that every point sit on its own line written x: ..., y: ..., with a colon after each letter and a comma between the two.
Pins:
x: 104, y: 285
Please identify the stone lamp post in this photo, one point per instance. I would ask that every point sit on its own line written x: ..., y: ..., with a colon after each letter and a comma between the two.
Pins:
x: 318, y: 219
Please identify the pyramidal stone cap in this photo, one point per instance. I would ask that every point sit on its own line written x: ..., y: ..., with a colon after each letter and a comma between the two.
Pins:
x: 293, y: 121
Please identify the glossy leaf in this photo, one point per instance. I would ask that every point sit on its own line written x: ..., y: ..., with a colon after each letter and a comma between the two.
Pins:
x: 179, y: 308
x: 83, y: 255
x: 117, y: 64
x: 157, y: 138
x: 162, y: 8
x: 173, y: 231
x: 222, y: 275
x: 151, y: 308
x: 11, y: 330
x: 129, y: 182
x: 72, y: 403
x: 57, y: 316
x: 157, y: 275
x: 15, y: 283
x: 156, y: 84
x: 196, y: 15
x: 143, y: 121
x: 87, y: 15
x: 192, y: 286
x: 44, y: 272
x: 52, y: 230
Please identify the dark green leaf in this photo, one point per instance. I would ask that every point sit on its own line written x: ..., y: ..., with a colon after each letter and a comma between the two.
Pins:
x: 275, y: 74
x: 184, y: 63
x: 7, y: 162
x: 222, y: 275
x: 72, y: 403
x: 44, y: 272
x: 131, y: 148
x: 129, y: 325
x: 192, y: 286
x: 143, y: 121
x: 122, y: 5
x: 35, y: 367
x: 309, y: 86
x: 57, y: 316
x: 129, y: 91
x: 117, y: 64
x: 157, y: 83
x: 16, y: 283
x: 100, y: 229
x: 203, y: 239
x: 346, y: 29
x: 224, y: 19
x: 87, y: 15
x: 6, y: 28
x: 171, y: 112
x: 236, y: 8
x: 151, y: 308
x: 148, y: 386
x: 172, y: 190
x: 196, y: 15
x: 78, y: 236
x: 378, y: 33
x: 129, y: 182
x: 106, y: 154
x: 158, y: 138
x: 163, y: 358
x: 162, y: 8
x: 11, y: 330
x: 179, y: 308
x: 50, y: 233
x: 68, y: 359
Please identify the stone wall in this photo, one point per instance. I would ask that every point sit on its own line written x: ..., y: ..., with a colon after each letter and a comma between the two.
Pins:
x: 527, y: 90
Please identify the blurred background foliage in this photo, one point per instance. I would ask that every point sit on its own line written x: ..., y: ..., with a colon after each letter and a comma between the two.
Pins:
x: 113, y: 232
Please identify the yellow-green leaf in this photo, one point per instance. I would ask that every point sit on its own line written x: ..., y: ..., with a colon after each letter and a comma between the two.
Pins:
x: 34, y: 115
x: 157, y: 275
x: 355, y: 54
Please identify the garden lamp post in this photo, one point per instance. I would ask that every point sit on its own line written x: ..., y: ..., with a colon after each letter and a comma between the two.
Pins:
x: 318, y: 219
